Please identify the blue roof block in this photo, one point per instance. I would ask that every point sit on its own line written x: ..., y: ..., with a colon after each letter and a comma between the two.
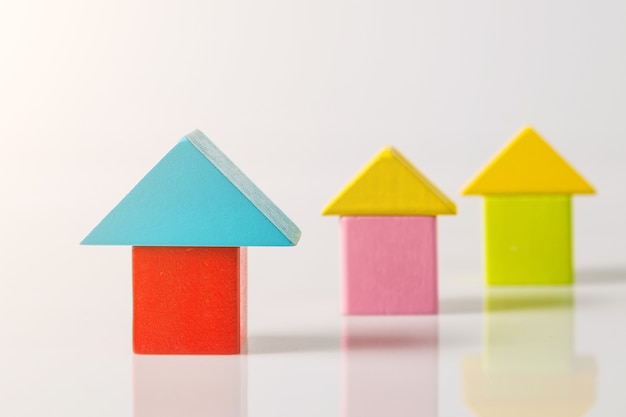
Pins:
x: 195, y: 196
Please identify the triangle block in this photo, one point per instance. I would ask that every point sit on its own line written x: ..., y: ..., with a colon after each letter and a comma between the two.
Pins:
x: 389, y: 185
x: 195, y: 196
x: 528, y: 165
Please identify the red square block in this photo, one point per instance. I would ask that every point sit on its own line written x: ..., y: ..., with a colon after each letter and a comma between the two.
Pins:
x: 186, y: 300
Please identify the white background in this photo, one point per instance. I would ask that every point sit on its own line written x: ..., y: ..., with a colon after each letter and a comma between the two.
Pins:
x: 299, y: 94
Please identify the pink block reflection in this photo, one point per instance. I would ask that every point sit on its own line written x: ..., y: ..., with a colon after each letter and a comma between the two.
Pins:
x: 390, y: 366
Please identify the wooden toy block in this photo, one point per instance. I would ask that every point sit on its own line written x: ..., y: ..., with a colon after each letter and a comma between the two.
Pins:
x: 528, y: 240
x: 189, y: 221
x: 528, y: 165
x: 195, y: 196
x: 389, y: 264
x: 527, y: 216
x: 186, y: 300
x: 388, y: 237
x: 389, y: 185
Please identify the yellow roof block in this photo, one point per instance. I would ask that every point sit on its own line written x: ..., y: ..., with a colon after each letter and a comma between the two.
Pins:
x: 389, y: 185
x: 528, y: 165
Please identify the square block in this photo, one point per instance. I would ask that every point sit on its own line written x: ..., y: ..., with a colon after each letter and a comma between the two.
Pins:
x: 389, y: 264
x: 186, y: 300
x: 528, y: 240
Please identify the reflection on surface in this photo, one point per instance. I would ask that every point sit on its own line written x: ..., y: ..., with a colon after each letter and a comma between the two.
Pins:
x: 190, y: 385
x: 389, y: 366
x: 529, y: 366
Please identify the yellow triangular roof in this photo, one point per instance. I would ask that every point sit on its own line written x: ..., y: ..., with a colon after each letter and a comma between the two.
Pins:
x: 528, y: 165
x: 389, y: 185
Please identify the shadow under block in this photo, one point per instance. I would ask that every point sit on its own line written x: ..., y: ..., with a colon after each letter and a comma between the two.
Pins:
x: 188, y: 300
x: 389, y: 264
x: 528, y: 240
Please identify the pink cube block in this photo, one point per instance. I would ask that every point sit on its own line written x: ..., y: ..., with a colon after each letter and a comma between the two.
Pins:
x: 389, y: 264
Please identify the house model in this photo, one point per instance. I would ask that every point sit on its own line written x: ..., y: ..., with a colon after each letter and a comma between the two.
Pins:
x: 388, y: 237
x: 189, y: 221
x: 527, y: 214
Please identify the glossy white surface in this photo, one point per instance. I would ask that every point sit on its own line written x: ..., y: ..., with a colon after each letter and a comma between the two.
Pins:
x: 300, y: 94
x: 552, y: 352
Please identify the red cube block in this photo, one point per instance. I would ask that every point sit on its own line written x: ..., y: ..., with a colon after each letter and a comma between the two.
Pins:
x: 187, y: 300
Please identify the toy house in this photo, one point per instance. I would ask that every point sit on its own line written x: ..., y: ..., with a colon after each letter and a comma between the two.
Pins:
x: 388, y: 237
x: 189, y: 221
x: 527, y: 214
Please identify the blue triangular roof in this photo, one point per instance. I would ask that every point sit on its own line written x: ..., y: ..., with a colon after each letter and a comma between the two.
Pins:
x: 195, y: 196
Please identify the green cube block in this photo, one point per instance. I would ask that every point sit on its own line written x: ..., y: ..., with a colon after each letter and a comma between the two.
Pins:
x: 528, y: 240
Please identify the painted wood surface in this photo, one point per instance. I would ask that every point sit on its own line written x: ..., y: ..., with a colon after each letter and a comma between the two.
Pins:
x: 528, y: 240
x: 389, y: 264
x: 389, y: 185
x: 187, y: 300
x: 528, y: 165
x: 195, y: 196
